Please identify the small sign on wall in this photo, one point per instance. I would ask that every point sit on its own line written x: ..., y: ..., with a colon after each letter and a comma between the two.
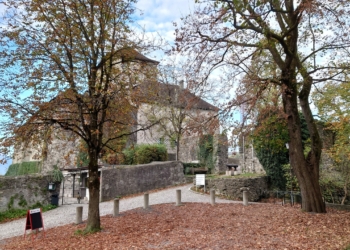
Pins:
x: 51, y: 186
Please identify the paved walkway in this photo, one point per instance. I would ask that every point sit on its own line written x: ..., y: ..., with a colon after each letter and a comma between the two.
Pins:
x: 66, y: 214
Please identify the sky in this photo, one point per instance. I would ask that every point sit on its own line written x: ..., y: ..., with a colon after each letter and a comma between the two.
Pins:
x: 157, y: 17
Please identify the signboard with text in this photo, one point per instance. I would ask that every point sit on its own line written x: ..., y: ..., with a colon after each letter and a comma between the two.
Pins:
x: 200, y: 179
x: 34, y: 220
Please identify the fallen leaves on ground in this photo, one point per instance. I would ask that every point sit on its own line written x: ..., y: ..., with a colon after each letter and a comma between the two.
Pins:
x: 202, y: 226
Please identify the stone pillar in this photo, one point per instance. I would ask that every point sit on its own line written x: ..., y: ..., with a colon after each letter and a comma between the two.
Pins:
x: 146, y: 200
x: 245, y: 198
x: 220, y: 153
x: 116, y: 207
x: 229, y: 173
x: 178, y: 197
x: 212, y: 196
x: 79, y: 215
x: 245, y: 195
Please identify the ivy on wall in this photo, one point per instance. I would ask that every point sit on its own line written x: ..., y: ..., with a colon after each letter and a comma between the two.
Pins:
x: 206, y: 151
x: 269, y: 138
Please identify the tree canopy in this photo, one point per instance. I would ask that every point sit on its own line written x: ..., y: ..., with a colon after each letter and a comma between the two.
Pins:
x: 305, y: 42
x: 71, y: 65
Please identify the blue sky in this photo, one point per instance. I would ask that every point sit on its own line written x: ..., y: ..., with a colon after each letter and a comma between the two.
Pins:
x: 157, y: 18
x: 3, y: 168
x: 159, y: 15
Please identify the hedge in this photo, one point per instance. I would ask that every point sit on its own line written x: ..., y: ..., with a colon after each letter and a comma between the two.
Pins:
x: 145, y: 153
x: 31, y: 167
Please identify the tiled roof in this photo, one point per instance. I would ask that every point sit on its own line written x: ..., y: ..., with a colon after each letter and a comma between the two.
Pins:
x: 169, y: 94
x: 133, y: 55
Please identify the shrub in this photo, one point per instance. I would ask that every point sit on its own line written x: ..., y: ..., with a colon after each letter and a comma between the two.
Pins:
x: 56, y: 174
x: 129, y: 156
x: 148, y: 153
x: 144, y: 153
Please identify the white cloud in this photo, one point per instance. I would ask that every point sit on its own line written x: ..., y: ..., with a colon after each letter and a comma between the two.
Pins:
x: 159, y: 15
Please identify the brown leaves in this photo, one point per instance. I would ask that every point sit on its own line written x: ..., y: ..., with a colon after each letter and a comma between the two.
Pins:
x: 203, y: 226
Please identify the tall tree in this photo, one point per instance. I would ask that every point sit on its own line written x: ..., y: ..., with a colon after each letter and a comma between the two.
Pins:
x: 70, y: 65
x: 308, y: 43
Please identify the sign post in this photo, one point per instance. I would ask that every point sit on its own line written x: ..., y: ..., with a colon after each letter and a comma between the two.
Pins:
x: 200, y: 180
x: 34, y: 221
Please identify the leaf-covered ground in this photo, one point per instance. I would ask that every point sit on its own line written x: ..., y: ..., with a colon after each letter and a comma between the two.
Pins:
x: 202, y: 226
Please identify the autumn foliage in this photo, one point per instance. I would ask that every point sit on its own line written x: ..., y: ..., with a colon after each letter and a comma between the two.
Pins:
x: 203, y: 226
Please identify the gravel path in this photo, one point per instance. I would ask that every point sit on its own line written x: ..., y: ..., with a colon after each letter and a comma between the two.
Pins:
x: 66, y: 214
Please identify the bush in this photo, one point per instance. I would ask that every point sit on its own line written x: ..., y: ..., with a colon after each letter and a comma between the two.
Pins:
x: 129, y: 156
x: 144, y: 153
x: 148, y: 153
x: 56, y: 174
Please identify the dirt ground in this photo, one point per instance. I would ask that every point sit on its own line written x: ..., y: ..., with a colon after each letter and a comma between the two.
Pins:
x: 202, y: 226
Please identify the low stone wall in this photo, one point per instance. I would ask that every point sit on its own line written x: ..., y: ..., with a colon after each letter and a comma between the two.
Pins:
x: 230, y: 187
x: 125, y: 180
x: 25, y: 191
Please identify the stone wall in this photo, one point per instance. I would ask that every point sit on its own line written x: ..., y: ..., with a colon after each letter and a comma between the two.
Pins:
x: 60, y: 150
x: 249, y: 162
x: 221, y: 153
x: 125, y: 180
x: 230, y: 187
x: 25, y: 191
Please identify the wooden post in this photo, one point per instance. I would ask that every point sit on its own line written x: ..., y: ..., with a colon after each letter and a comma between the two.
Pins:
x: 116, y: 207
x: 146, y: 200
x: 79, y: 215
x: 212, y: 196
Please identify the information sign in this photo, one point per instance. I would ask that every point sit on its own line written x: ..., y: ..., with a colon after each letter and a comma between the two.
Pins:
x: 200, y: 179
x: 34, y: 220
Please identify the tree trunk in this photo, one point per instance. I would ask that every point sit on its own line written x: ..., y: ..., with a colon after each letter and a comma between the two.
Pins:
x: 306, y: 169
x: 93, y: 222
x: 177, y: 147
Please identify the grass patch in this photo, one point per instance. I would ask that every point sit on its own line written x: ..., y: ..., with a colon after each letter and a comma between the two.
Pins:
x: 14, y: 213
